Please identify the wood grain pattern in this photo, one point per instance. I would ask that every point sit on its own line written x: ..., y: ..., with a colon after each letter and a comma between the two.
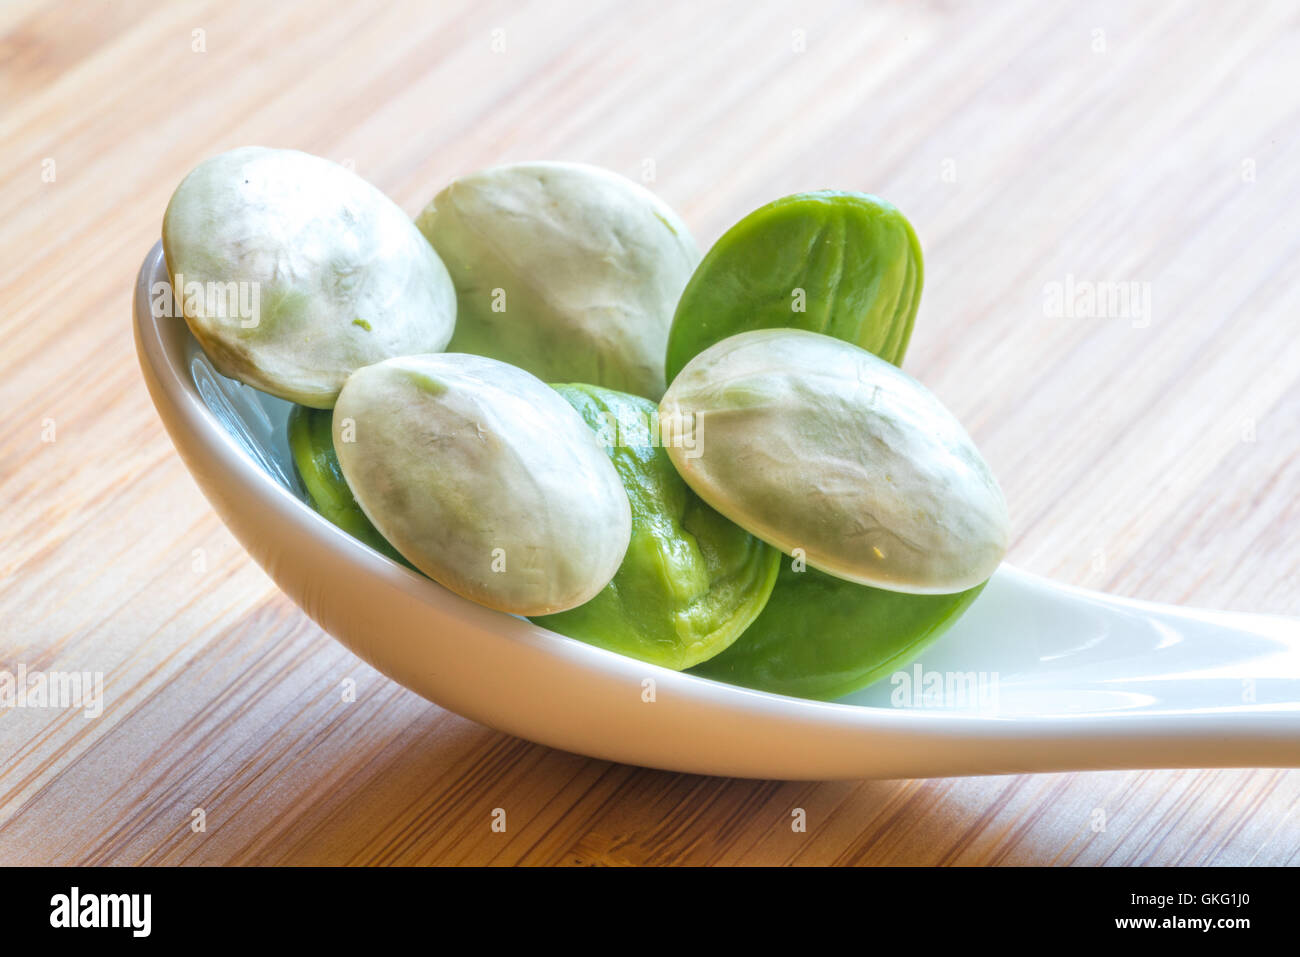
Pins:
x: 1153, y: 143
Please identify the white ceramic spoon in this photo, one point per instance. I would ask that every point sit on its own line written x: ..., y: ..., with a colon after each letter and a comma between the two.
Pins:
x: 1063, y: 678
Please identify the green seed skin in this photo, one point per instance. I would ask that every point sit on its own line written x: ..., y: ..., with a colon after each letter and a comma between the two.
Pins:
x: 822, y: 637
x: 691, y: 581
x: 855, y: 257
x: 860, y: 265
x: 311, y: 441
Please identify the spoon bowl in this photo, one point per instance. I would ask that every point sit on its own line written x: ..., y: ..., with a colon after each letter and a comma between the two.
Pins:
x: 1036, y: 676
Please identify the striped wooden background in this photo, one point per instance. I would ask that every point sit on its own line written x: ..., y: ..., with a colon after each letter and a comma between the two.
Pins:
x: 1030, y: 144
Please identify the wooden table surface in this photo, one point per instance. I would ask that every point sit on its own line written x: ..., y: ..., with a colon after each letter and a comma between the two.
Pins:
x: 1032, y: 145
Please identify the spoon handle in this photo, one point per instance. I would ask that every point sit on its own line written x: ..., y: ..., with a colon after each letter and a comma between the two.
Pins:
x: 1078, y: 679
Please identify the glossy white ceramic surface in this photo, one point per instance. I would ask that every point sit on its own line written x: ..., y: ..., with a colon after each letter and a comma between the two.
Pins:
x: 1036, y: 676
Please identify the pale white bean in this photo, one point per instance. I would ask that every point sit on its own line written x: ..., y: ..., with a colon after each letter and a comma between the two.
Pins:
x: 294, y: 271
x: 567, y: 270
x: 813, y: 444
x: 485, y: 479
